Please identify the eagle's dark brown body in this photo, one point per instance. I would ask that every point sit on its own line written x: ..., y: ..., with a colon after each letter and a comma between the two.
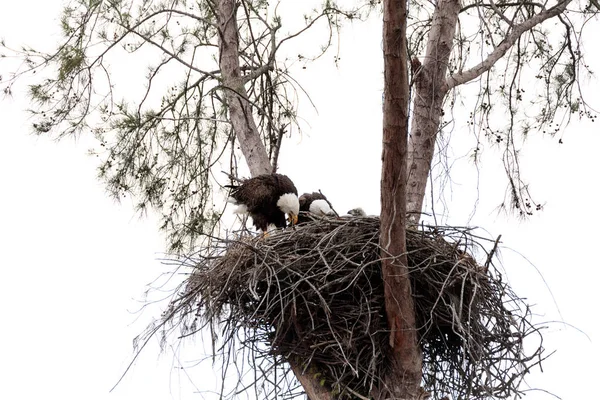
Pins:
x: 306, y: 200
x: 267, y: 198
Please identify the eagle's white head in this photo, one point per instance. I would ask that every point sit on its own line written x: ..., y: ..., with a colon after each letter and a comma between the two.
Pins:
x: 290, y: 205
x: 320, y: 207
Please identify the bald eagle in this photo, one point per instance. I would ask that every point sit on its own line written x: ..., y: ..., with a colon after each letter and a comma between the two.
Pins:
x: 314, y: 203
x: 266, y: 198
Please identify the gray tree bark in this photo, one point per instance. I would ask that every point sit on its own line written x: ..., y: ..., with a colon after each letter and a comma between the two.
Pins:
x: 240, y: 109
x: 430, y: 90
x: 244, y: 126
x: 432, y: 85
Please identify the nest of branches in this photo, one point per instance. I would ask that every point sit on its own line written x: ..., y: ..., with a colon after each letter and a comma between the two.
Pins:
x: 314, y: 296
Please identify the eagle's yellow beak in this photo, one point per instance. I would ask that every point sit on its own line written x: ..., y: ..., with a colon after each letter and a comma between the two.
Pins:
x: 293, y: 219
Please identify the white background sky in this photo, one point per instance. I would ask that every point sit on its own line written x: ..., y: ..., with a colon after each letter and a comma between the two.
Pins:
x: 74, y: 264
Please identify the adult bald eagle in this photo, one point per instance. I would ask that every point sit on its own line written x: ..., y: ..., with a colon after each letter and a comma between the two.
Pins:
x: 314, y: 203
x: 266, y: 198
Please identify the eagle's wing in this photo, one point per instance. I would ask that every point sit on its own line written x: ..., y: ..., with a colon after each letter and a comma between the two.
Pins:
x: 256, y: 192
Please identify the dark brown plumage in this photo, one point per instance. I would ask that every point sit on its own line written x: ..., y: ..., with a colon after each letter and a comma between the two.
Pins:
x: 315, y: 203
x: 267, y: 198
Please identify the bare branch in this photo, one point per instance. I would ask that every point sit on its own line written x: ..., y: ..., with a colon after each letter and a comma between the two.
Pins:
x: 500, y: 13
x: 466, y: 76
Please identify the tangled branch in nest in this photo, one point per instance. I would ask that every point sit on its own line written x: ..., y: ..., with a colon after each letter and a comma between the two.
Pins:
x: 314, y: 295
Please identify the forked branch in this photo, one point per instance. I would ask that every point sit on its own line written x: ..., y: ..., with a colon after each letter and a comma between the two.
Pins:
x: 499, y: 52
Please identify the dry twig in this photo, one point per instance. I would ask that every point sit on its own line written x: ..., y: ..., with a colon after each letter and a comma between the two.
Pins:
x: 314, y: 295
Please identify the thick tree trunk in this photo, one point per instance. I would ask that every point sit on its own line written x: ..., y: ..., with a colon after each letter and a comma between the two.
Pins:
x: 311, y: 386
x: 244, y: 126
x: 432, y: 84
x: 429, y: 92
x: 240, y: 109
x: 405, y: 376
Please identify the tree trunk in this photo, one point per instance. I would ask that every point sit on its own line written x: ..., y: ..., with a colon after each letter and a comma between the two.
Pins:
x: 432, y: 84
x: 244, y: 126
x: 404, y: 379
x: 240, y: 109
x: 311, y: 385
x: 430, y: 90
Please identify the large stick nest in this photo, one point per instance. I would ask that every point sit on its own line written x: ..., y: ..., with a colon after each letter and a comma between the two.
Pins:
x: 314, y: 295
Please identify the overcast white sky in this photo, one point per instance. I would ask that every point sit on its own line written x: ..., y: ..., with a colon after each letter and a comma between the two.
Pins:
x: 75, y: 264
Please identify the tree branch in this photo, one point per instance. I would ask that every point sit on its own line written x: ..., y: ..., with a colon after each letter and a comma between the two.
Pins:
x: 240, y: 109
x: 503, y: 5
x: 429, y: 93
x: 311, y: 386
x: 466, y: 76
x: 500, y: 13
